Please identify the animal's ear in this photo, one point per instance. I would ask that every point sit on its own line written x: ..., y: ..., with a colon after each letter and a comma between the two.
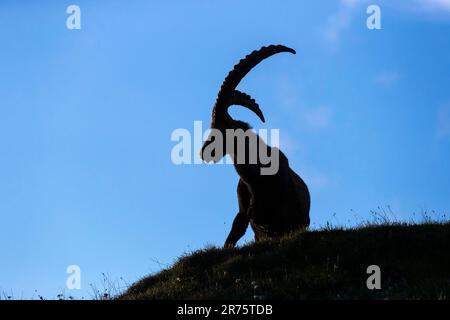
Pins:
x: 243, y: 99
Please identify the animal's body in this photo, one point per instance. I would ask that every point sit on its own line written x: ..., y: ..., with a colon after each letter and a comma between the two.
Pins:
x: 273, y: 204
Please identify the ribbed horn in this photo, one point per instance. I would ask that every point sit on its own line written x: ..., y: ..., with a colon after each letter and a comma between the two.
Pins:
x: 243, y: 99
x: 239, y: 71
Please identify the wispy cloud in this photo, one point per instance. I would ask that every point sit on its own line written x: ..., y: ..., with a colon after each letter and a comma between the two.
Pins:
x: 429, y: 5
x: 434, y: 5
x: 443, y: 121
x: 318, y: 117
x: 339, y: 21
x: 288, y: 144
x: 387, y: 78
x: 313, y: 117
x: 318, y: 180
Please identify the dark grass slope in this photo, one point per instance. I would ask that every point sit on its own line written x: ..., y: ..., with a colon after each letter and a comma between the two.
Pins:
x: 329, y: 264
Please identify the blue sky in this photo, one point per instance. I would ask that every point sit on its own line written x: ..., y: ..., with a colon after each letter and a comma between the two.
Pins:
x: 86, y: 117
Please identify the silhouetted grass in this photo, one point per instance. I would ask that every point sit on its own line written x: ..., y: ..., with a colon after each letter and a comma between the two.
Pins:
x: 108, y: 289
x: 325, y: 264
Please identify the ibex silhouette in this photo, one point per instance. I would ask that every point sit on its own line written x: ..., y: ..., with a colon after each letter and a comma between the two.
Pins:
x: 274, y: 204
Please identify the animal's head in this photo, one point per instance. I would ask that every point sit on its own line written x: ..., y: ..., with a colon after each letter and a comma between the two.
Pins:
x: 228, y: 96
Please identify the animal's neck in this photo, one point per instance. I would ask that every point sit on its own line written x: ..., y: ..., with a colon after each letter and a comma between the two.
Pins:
x: 246, y: 155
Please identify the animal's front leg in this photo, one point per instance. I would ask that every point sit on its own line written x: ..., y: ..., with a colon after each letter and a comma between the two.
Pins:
x: 238, y: 229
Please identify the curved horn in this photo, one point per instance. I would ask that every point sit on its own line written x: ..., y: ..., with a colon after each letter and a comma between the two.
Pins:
x: 243, y: 99
x: 239, y: 72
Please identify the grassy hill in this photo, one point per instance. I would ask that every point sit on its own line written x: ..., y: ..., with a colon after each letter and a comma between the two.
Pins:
x: 327, y: 264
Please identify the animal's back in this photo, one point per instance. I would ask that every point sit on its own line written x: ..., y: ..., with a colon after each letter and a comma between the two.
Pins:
x: 299, y: 201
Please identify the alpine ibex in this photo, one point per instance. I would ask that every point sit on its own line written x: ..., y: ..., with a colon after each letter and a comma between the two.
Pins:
x: 273, y: 204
